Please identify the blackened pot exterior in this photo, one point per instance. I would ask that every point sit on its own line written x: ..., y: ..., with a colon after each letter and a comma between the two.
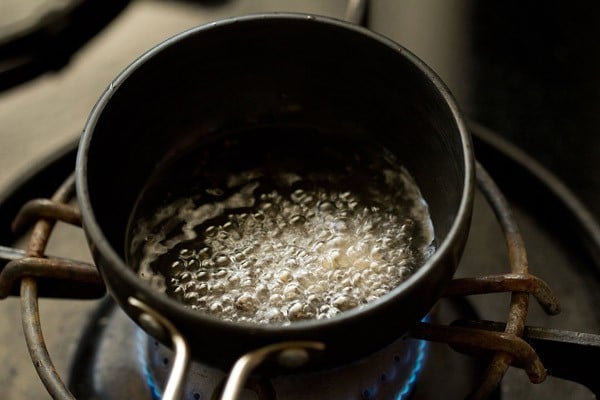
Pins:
x: 269, y: 70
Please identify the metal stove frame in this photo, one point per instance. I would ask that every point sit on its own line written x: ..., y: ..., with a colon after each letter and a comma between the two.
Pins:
x: 504, y: 342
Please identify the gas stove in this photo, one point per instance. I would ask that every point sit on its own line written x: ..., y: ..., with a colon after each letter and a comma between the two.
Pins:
x: 100, y: 353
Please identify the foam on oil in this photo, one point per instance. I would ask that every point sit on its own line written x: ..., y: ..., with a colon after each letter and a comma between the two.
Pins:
x: 281, y: 242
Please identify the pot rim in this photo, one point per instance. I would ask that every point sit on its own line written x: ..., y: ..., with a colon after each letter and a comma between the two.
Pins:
x: 100, y: 242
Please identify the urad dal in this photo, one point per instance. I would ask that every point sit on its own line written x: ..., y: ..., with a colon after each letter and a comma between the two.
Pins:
x: 283, y: 233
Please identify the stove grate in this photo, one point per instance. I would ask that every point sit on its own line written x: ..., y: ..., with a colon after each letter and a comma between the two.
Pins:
x: 504, y: 345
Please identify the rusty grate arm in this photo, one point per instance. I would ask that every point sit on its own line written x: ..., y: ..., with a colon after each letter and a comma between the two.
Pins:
x: 508, y: 347
x: 34, y: 265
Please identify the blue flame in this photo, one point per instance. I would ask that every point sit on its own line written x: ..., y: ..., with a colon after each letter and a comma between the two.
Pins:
x: 420, y: 362
x: 368, y: 393
x: 140, y: 342
x: 421, y: 353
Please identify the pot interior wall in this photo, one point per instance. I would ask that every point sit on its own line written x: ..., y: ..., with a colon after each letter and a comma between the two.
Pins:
x: 270, y: 73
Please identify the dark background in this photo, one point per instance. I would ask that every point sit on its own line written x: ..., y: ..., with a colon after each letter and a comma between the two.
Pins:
x: 528, y: 70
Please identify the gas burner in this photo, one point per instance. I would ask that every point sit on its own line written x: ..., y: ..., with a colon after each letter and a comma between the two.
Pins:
x: 119, y: 360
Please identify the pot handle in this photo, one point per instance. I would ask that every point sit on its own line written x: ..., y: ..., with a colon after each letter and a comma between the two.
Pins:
x: 291, y: 354
x: 159, y: 326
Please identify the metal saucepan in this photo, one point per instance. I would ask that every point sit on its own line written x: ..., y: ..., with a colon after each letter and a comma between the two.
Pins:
x: 270, y: 70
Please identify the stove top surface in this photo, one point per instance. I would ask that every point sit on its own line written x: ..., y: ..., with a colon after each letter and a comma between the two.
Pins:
x: 534, y: 92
